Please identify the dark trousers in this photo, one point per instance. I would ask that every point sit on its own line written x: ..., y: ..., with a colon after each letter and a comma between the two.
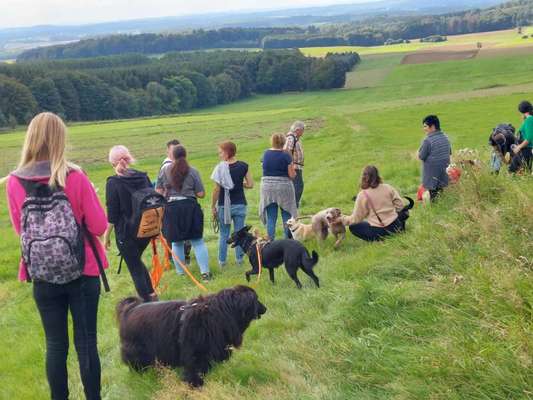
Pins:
x: 365, y: 231
x: 298, y: 183
x: 435, y: 193
x: 54, y: 301
x: 132, y: 250
x: 521, y: 160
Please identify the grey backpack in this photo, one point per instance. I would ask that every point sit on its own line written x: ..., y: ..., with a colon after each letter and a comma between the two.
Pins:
x: 51, y: 239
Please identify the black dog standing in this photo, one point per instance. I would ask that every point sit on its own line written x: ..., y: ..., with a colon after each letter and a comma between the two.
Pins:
x: 273, y: 254
x: 193, y: 334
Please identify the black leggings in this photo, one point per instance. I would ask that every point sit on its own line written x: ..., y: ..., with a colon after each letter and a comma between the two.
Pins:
x: 54, y: 301
x: 132, y: 251
x: 365, y: 231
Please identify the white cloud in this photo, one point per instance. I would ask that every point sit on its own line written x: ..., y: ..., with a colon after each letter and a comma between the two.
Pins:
x: 70, y: 12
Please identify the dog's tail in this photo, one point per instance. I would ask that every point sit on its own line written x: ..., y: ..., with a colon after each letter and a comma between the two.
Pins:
x: 411, y: 203
x: 310, y: 262
x: 126, y: 305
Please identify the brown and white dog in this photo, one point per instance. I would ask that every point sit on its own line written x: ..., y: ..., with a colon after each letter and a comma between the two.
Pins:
x: 329, y: 221
x: 299, y: 230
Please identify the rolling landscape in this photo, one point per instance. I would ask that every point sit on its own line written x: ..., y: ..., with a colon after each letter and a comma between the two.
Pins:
x: 442, y: 311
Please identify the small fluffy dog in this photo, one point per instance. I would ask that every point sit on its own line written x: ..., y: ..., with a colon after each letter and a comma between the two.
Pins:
x: 286, y: 251
x: 329, y: 221
x: 299, y: 230
x: 193, y: 334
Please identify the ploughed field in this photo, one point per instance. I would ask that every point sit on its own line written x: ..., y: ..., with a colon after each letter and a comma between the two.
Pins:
x: 443, y: 311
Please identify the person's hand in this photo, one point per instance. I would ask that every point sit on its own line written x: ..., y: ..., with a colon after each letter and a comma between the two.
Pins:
x: 107, y: 243
x: 515, y: 149
x: 214, y: 212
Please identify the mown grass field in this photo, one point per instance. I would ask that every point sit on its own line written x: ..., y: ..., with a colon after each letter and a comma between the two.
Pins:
x: 497, y: 39
x: 443, y: 311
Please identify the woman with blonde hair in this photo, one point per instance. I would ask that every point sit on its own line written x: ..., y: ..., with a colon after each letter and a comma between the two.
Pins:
x: 277, y: 190
x: 61, y: 263
x: 118, y: 193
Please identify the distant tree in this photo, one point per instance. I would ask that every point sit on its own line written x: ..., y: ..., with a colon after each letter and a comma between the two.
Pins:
x: 205, y: 92
x: 227, y: 89
x: 12, y: 121
x: 184, y: 89
x: 47, y: 95
x: 16, y: 99
x: 69, y: 97
x: 3, y: 119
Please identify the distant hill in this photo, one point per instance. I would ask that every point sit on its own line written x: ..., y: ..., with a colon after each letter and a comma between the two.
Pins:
x: 367, y: 32
x: 16, y: 40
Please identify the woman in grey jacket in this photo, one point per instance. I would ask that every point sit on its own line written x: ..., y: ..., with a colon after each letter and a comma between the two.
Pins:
x: 434, y: 153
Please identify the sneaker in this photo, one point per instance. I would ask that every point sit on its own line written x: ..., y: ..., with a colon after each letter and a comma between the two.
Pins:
x: 206, y: 277
x: 239, y: 263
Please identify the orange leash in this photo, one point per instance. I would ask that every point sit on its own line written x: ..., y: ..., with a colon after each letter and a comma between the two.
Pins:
x: 259, y: 260
x: 182, y: 265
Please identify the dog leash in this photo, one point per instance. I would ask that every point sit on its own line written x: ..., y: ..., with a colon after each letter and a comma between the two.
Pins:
x: 260, y: 262
x: 182, y: 265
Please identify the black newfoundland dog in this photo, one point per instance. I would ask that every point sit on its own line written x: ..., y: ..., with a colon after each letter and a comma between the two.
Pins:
x: 286, y: 251
x: 193, y: 334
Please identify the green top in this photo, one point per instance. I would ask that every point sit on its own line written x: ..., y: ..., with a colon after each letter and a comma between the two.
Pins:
x: 527, y: 130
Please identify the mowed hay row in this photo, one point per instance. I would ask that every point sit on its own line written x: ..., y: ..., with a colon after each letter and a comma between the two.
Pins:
x: 438, y: 56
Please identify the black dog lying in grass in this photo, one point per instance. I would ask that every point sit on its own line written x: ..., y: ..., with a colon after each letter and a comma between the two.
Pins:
x: 193, y: 334
x: 273, y: 254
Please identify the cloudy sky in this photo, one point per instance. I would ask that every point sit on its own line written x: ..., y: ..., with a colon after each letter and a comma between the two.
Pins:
x: 15, y: 13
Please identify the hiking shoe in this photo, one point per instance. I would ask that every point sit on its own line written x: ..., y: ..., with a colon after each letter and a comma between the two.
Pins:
x: 206, y: 277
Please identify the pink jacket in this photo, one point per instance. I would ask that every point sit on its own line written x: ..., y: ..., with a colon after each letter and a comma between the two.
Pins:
x: 85, y: 205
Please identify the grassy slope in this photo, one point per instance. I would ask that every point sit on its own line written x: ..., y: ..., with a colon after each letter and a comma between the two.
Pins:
x: 389, y: 321
x: 498, y: 39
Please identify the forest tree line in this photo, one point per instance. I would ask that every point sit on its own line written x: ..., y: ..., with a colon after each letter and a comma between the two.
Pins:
x: 372, y: 32
x: 134, y: 85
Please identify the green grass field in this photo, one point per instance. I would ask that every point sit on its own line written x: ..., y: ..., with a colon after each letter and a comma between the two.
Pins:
x: 443, y: 311
x: 498, y: 39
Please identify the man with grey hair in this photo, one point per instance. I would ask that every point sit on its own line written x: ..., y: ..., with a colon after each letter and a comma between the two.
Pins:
x: 293, y: 145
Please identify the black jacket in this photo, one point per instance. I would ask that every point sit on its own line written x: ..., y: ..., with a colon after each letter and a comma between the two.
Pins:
x: 118, y: 199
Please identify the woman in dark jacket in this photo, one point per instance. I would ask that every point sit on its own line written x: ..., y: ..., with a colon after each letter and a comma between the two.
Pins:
x: 184, y: 219
x: 119, y: 189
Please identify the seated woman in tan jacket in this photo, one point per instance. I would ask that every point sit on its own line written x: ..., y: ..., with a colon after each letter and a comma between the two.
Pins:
x: 375, y: 214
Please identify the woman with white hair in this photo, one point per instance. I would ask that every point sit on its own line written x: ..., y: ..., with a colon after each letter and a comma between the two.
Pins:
x: 58, y: 202
x: 119, y: 189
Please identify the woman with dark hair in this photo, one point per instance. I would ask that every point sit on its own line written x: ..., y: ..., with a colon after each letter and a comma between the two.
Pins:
x: 184, y: 219
x: 375, y: 214
x: 228, y: 202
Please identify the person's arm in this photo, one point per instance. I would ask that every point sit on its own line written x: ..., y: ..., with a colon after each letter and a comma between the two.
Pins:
x: 199, y: 190
x: 360, y: 211
x: 93, y: 213
x: 248, y: 181
x: 107, y: 236
x: 291, y: 170
x: 161, y: 181
x: 12, y: 188
x: 396, y: 199
x: 524, y: 143
x: 214, y: 198
x: 289, y: 144
x: 424, y: 151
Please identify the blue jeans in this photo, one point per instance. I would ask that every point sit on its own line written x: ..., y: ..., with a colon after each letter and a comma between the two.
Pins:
x: 200, y: 253
x: 238, y: 216
x: 272, y: 218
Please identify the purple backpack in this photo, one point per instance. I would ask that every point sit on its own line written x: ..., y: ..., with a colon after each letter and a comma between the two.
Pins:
x: 51, y: 239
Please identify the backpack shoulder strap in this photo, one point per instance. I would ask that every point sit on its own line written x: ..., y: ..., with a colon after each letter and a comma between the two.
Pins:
x: 372, y: 207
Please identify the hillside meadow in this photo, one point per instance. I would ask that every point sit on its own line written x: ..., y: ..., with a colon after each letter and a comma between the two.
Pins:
x: 496, y: 39
x: 443, y: 311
